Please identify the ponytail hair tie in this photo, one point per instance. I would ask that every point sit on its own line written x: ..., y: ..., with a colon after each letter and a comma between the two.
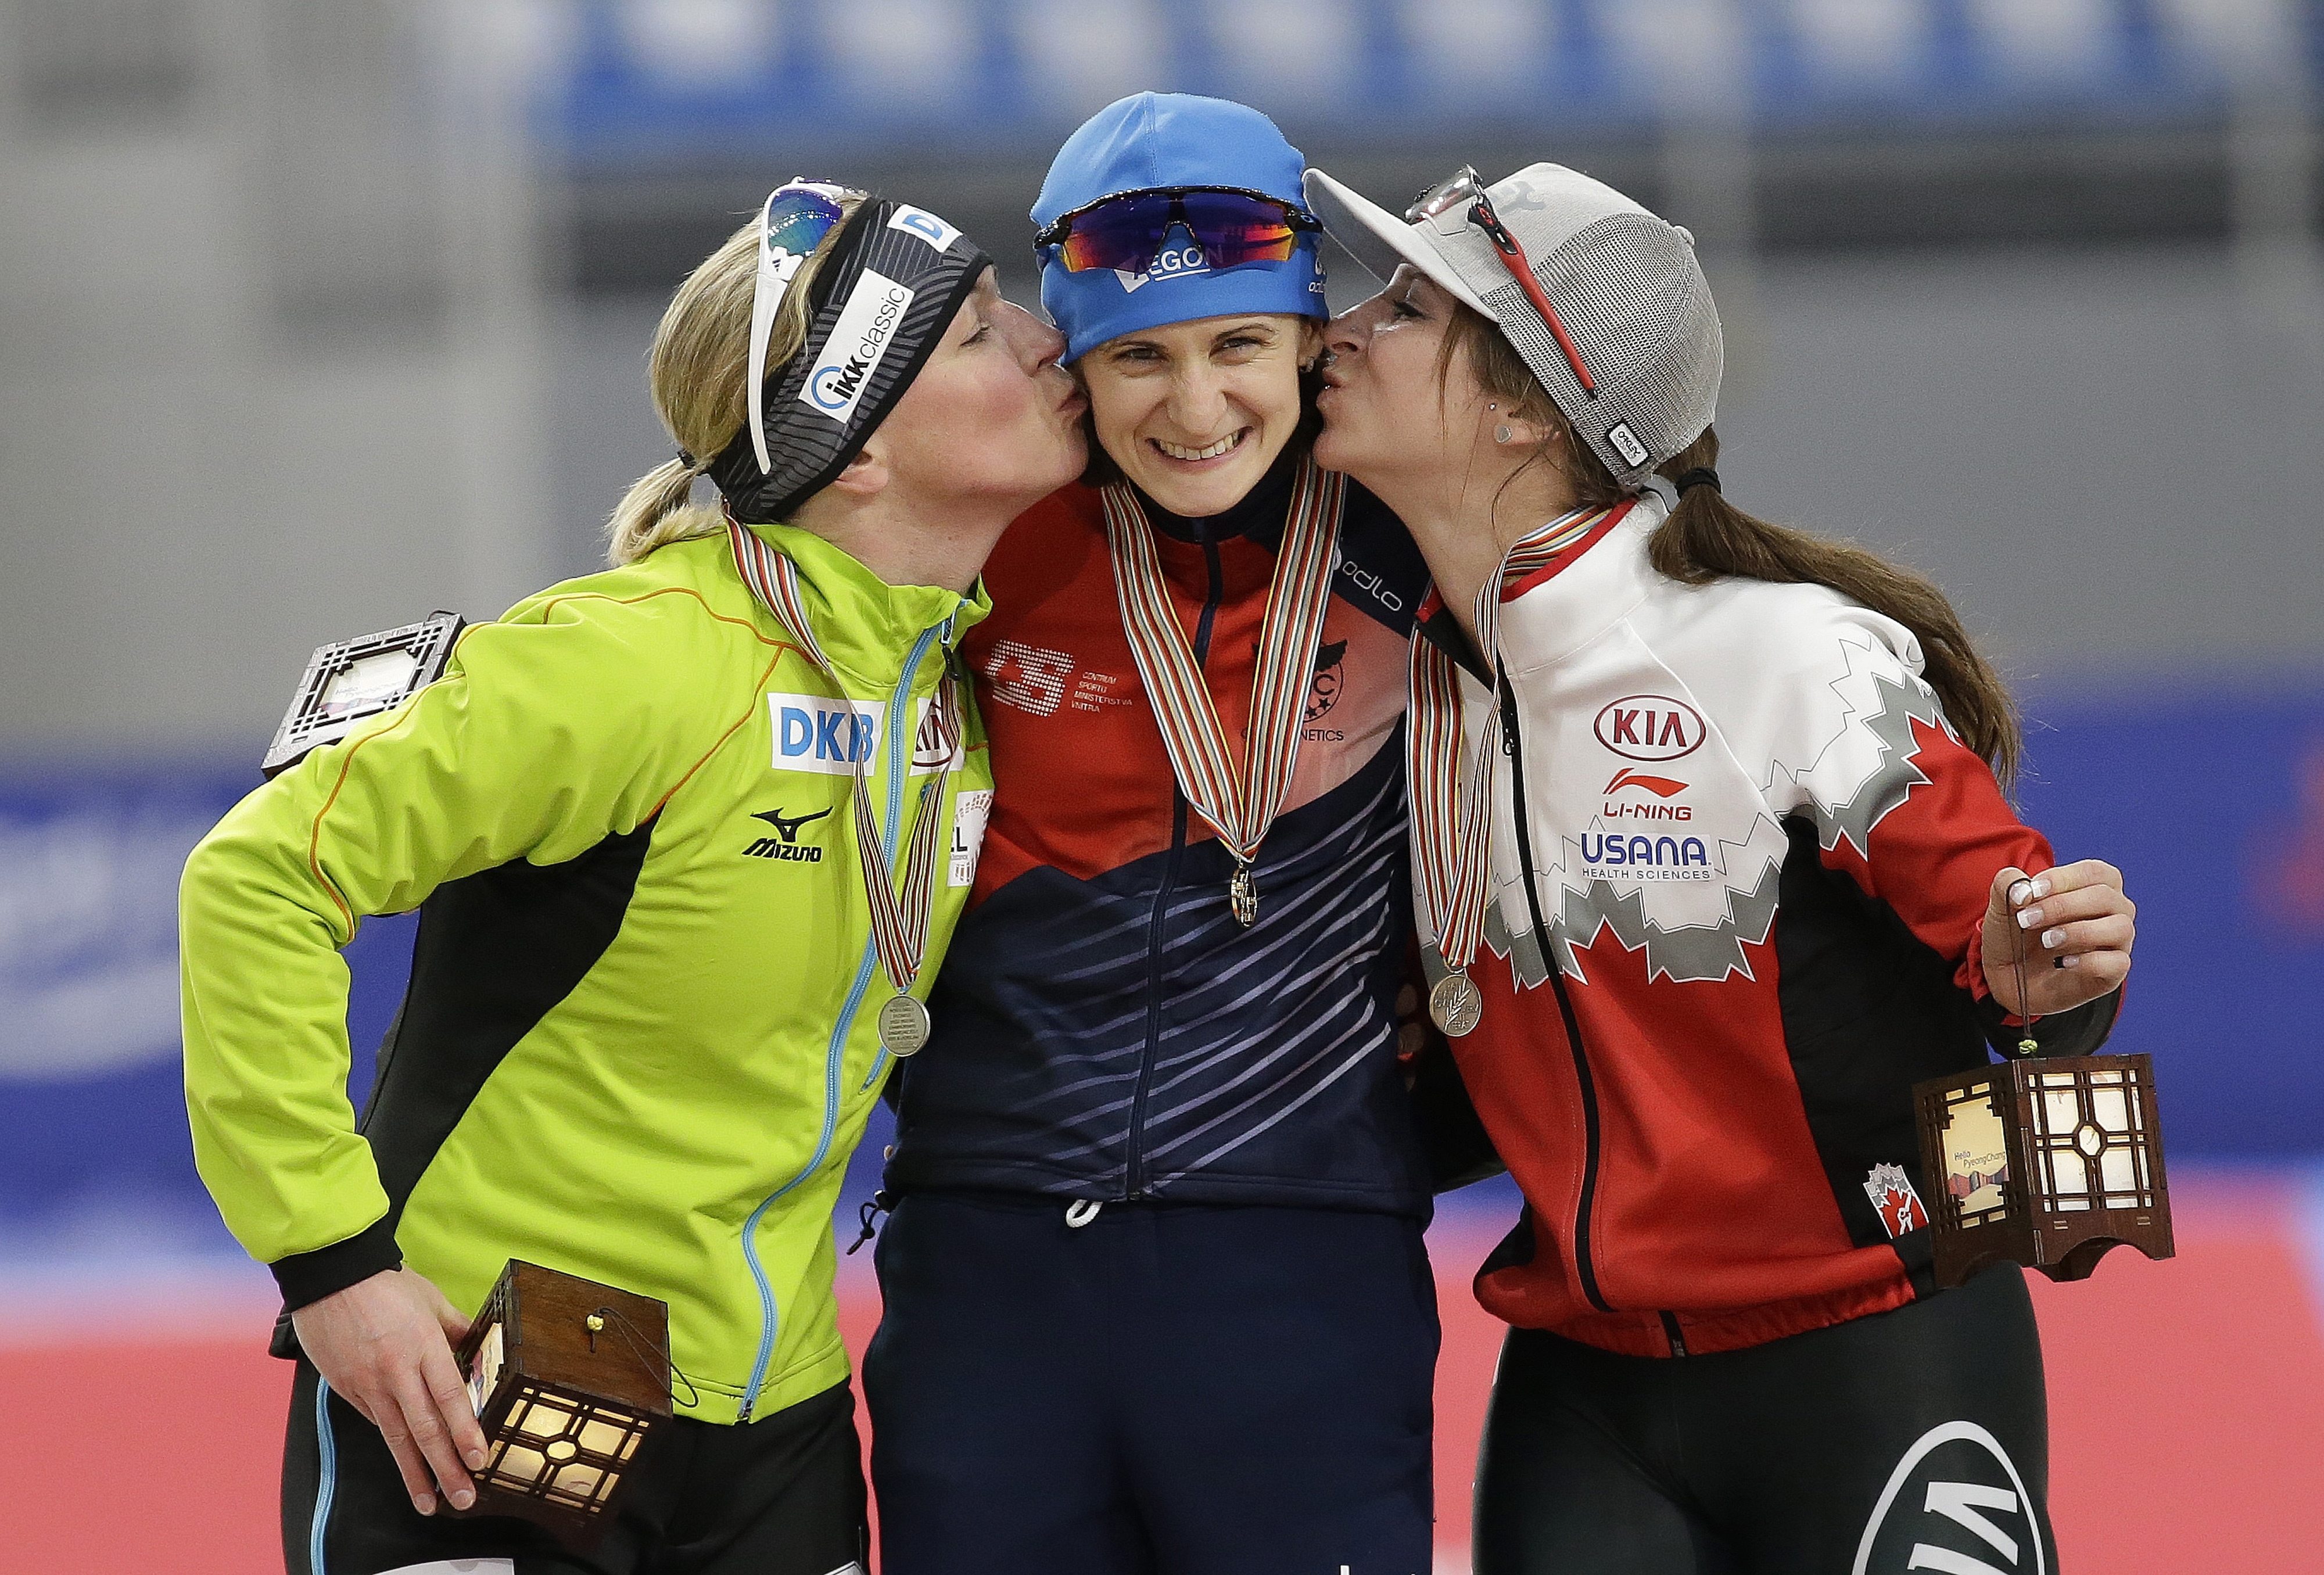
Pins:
x: 687, y: 460
x: 1702, y: 476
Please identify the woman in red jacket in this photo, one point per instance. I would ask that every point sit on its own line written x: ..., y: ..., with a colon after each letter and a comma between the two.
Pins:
x: 1738, y: 875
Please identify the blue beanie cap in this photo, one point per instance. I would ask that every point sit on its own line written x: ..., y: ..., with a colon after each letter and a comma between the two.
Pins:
x: 1173, y: 139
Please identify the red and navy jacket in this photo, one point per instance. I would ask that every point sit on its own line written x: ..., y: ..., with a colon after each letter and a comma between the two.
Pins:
x: 1740, y: 863
x: 1103, y: 1028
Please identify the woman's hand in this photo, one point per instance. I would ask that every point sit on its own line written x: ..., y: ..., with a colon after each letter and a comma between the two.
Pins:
x: 385, y: 1346
x: 2075, y: 926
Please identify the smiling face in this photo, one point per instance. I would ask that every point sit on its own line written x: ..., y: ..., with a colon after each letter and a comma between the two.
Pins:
x: 1194, y: 413
x: 992, y: 417
x: 1394, y: 409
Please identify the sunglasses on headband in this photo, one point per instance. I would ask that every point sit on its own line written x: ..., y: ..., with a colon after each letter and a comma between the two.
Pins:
x: 797, y: 216
x: 1128, y: 230
x: 1464, y: 186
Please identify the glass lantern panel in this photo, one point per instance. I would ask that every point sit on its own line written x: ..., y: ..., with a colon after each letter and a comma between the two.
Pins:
x: 2090, y: 1141
x: 516, y: 1466
x: 580, y: 1479
x: 368, y: 682
x: 2058, y: 1109
x: 604, y: 1433
x: 2069, y: 1180
x: 542, y: 1417
x: 2110, y: 1107
x: 2119, y: 1170
x: 1977, y: 1156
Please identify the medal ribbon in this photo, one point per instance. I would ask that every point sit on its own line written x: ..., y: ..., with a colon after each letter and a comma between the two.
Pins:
x: 899, y: 925
x: 1451, y: 828
x: 1240, y: 806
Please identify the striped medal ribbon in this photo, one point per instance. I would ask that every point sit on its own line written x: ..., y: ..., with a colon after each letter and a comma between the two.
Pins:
x: 899, y: 923
x: 1240, y: 806
x: 1451, y: 825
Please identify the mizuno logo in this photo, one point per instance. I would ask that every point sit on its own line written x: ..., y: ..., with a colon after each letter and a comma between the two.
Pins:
x: 785, y: 844
x: 789, y: 825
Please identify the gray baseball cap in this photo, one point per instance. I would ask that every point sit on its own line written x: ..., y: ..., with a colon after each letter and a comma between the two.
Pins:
x: 1630, y: 348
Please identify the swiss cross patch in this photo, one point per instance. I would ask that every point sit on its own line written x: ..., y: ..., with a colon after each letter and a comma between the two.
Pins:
x: 1894, y: 1200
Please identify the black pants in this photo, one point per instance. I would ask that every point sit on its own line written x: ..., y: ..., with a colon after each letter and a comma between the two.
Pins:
x: 782, y: 1495
x: 1908, y: 1440
x: 1164, y: 1390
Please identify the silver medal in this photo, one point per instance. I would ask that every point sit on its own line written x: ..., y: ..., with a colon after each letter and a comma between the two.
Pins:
x: 903, y: 1026
x: 1455, y: 1004
x: 1242, y: 894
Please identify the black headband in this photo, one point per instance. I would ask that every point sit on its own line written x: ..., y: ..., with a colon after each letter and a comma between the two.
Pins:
x: 889, y: 284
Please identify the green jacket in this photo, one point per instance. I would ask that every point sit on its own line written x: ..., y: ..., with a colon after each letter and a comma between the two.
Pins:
x: 639, y: 1042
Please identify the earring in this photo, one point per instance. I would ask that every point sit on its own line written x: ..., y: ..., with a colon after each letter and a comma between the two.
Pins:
x: 1500, y: 434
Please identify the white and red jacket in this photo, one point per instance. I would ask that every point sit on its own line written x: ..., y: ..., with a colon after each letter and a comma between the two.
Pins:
x: 1761, y: 858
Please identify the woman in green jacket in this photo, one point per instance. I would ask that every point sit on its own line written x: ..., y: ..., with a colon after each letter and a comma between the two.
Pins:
x: 647, y: 818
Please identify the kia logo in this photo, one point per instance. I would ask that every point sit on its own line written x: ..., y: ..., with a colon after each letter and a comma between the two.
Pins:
x: 1650, y: 727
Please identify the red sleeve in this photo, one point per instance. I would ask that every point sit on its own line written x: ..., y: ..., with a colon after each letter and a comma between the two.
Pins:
x: 1932, y: 857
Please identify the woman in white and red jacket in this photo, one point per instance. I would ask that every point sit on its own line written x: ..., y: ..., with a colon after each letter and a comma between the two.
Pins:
x: 1745, y: 875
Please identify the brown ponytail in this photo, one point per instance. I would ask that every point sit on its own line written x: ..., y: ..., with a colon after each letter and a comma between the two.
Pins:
x: 1706, y: 538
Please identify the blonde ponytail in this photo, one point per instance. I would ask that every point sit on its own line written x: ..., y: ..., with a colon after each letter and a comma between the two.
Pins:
x: 695, y: 371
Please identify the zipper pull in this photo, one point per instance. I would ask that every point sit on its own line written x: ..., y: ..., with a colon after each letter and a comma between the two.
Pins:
x: 1081, y: 1211
x: 880, y: 1203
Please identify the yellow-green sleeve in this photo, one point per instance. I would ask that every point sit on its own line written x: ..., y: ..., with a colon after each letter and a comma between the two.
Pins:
x: 548, y: 735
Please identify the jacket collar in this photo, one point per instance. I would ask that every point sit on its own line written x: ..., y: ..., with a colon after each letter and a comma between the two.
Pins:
x: 1599, y: 587
x: 867, y: 627
x: 1585, y: 594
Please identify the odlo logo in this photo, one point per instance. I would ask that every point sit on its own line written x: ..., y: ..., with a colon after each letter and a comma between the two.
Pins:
x: 1955, y: 1505
x: 1650, y: 727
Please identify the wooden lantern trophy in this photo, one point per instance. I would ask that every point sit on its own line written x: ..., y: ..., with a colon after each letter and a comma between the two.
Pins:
x: 2046, y: 1161
x: 569, y: 1377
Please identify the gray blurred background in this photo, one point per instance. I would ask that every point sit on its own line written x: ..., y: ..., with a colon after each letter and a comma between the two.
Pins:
x: 315, y: 317
x: 319, y: 315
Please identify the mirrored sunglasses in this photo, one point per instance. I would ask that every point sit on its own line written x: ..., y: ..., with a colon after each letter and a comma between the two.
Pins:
x: 1128, y: 231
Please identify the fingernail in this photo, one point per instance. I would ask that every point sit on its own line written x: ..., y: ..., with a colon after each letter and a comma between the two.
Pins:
x: 463, y: 1499
x: 2041, y: 886
x: 476, y: 1458
x: 2020, y: 892
x: 2029, y: 917
x: 425, y: 1504
x: 2053, y: 939
x: 2065, y: 962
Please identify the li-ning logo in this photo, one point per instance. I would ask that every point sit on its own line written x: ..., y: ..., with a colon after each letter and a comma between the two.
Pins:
x: 858, y: 342
x: 1929, y: 1517
x: 1181, y: 262
x: 785, y: 844
x: 1660, y: 786
x: 1649, y: 727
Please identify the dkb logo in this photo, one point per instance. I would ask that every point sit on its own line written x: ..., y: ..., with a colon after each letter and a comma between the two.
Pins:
x: 813, y: 733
